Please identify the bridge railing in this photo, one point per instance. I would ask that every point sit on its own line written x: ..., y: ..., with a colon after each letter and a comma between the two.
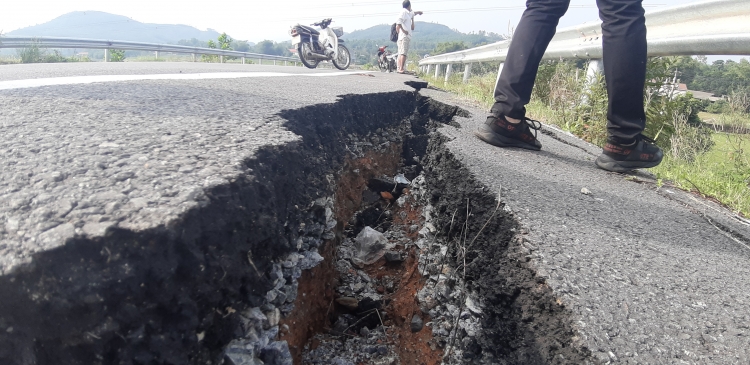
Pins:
x: 715, y: 27
x: 106, y: 45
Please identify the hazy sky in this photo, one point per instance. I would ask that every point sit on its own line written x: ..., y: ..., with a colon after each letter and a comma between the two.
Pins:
x: 255, y: 20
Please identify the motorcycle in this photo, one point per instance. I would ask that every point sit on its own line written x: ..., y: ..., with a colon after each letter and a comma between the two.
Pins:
x: 312, y: 50
x: 386, y: 60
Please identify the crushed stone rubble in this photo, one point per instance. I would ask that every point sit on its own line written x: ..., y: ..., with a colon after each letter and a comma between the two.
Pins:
x: 258, y: 344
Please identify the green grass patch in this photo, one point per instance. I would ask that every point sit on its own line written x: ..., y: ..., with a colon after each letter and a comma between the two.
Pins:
x: 722, y: 173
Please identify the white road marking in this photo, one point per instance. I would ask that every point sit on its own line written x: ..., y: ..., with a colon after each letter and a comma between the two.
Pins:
x: 74, y: 80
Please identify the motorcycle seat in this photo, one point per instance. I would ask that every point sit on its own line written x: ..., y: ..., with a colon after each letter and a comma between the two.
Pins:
x: 307, y: 29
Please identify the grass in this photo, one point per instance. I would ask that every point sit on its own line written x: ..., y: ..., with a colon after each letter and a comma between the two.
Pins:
x: 724, y: 119
x: 721, y: 173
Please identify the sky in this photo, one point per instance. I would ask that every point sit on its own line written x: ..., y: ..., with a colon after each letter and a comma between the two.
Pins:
x: 256, y: 20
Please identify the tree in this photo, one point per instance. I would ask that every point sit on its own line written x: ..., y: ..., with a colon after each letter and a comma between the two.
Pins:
x: 448, y: 47
x: 241, y: 46
x: 225, y: 41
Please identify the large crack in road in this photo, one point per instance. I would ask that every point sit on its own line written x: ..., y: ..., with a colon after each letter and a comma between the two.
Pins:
x: 218, y: 284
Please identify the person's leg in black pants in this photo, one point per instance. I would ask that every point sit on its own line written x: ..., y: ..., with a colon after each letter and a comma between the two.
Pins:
x: 513, y: 89
x: 530, y: 41
x: 625, y: 53
x: 624, y: 42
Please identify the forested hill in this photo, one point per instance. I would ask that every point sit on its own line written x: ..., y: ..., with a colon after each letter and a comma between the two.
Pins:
x: 427, y: 36
x: 426, y: 32
x: 101, y: 25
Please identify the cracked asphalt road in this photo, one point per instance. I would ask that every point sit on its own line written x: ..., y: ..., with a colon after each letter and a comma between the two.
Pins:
x: 652, y: 275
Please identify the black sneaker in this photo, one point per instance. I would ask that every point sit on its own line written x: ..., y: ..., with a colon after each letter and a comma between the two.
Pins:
x: 498, y: 131
x: 619, y: 157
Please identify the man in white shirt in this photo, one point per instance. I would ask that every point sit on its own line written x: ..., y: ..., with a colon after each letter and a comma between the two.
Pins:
x: 405, y: 26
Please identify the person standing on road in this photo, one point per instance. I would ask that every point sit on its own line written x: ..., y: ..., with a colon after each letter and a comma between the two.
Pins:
x: 624, y: 47
x: 405, y: 27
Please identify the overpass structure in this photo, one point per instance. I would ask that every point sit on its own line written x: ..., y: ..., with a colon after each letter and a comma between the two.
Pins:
x: 106, y: 45
x: 712, y: 27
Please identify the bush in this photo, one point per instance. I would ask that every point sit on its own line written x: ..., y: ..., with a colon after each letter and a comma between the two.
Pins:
x: 718, y: 107
x: 117, y: 55
x: 31, y: 54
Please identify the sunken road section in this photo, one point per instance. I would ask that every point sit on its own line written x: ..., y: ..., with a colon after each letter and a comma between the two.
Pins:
x: 179, y: 277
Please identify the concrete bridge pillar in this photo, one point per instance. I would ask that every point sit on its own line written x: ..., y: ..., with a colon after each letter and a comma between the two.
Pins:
x: 448, y: 72
x: 499, y: 71
x: 467, y: 72
x: 595, y: 68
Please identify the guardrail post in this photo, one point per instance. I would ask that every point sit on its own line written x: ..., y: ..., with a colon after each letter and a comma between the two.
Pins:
x: 467, y: 72
x: 437, y: 70
x: 243, y: 60
x: 193, y: 57
x: 221, y: 58
x: 429, y: 68
x: 448, y: 72
x: 284, y: 63
x: 274, y: 62
x: 106, y: 55
x: 260, y: 61
x: 156, y: 55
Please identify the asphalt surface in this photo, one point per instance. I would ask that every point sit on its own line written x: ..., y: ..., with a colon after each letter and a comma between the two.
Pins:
x: 653, y: 275
x: 78, y: 159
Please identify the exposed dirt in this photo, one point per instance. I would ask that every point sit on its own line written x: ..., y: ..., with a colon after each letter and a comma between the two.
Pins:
x: 315, y: 299
x: 314, y: 302
x: 413, y: 348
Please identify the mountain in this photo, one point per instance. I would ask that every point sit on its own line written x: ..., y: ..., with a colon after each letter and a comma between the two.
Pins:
x: 101, y: 25
x: 425, y: 32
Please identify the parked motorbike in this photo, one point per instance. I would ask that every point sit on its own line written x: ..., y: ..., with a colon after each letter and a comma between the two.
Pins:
x: 386, y: 60
x: 311, y: 49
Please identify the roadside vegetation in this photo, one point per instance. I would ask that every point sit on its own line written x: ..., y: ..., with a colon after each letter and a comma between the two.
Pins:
x: 707, y: 144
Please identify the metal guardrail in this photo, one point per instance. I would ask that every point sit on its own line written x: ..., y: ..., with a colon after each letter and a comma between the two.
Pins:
x: 715, y: 27
x: 53, y: 42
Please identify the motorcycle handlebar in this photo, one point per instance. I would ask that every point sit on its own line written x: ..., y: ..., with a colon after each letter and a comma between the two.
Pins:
x: 324, y: 21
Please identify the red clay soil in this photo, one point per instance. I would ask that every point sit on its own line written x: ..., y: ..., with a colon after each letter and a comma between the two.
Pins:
x: 412, y: 348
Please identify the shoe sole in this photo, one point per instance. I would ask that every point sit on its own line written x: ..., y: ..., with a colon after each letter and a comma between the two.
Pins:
x: 486, y: 134
x: 605, y: 162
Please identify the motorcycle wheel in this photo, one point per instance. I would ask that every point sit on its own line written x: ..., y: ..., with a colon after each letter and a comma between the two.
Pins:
x: 382, y: 66
x: 302, y: 48
x: 344, y: 58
